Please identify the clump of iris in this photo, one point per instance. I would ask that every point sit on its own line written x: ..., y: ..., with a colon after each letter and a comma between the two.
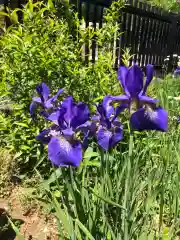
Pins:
x: 72, y: 124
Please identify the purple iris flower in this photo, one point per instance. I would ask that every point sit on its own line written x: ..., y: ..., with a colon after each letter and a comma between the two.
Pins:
x: 64, y: 146
x: 145, y: 115
x: 177, y: 72
x: 44, y: 99
x: 109, y: 129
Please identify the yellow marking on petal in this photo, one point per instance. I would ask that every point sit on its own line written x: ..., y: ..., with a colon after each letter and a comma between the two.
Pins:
x: 133, y: 106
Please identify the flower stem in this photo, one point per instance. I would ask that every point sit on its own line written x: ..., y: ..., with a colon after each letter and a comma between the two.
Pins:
x: 127, y: 189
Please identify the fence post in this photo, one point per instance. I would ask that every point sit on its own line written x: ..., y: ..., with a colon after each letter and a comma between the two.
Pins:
x: 171, y: 42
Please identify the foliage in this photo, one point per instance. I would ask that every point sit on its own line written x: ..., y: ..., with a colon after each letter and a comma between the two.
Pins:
x: 31, y: 52
x: 132, y: 191
x: 168, y: 5
x: 92, y: 197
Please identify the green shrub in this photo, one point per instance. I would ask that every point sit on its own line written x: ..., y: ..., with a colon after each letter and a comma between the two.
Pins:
x: 48, y: 47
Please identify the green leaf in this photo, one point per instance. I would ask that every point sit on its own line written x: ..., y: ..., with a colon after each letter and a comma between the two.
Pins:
x: 20, y: 237
x: 84, y: 229
x: 50, y: 4
x: 21, y: 124
x: 89, y: 153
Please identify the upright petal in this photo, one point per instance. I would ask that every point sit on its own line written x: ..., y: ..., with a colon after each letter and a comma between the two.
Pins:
x: 149, y: 76
x: 104, y: 137
x: 53, y: 99
x: 107, y: 106
x: 63, y: 153
x: 122, y: 74
x: 68, y: 104
x: 81, y: 115
x: 33, y: 108
x: 148, y: 119
x: 134, y: 81
x: 43, y: 91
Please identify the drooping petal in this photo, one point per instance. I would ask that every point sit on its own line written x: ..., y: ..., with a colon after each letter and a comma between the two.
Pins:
x: 107, y: 106
x: 63, y: 153
x: 122, y: 74
x: 148, y: 119
x: 147, y: 100
x: 43, y: 91
x: 48, y: 104
x: 117, y: 136
x: 44, y: 136
x: 149, y: 76
x: 134, y: 81
x: 104, y: 137
x: 33, y: 108
x: 37, y: 99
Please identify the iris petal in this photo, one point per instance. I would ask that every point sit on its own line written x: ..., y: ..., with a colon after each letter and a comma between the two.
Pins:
x: 156, y: 119
x: 104, y: 137
x: 68, y: 105
x: 134, y: 81
x: 53, y: 99
x: 120, y: 98
x: 149, y: 76
x: 63, y: 153
x: 147, y: 100
x: 33, y: 108
x: 81, y: 115
x: 44, y: 136
x: 43, y: 91
x: 54, y: 117
x: 117, y: 136
x: 37, y: 99
x: 107, y: 106
x: 122, y: 73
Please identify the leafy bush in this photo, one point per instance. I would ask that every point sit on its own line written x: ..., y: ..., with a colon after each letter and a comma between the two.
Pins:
x: 31, y: 53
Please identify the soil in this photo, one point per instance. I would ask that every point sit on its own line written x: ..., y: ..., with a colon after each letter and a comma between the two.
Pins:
x: 33, y: 224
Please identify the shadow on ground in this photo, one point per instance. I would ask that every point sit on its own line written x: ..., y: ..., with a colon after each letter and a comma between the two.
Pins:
x: 6, y: 231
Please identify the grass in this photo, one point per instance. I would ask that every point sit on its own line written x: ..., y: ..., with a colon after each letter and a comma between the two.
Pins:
x: 134, y: 192
x: 129, y: 193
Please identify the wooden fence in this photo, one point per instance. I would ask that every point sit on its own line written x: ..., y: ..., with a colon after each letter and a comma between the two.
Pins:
x: 151, y: 33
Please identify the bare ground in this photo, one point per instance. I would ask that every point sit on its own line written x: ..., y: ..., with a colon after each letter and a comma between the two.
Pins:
x: 35, y: 224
